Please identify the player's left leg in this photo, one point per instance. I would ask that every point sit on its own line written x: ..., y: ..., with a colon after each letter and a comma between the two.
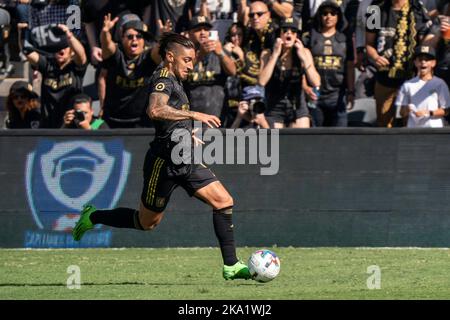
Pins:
x: 118, y: 218
x: 154, y: 198
x: 221, y: 201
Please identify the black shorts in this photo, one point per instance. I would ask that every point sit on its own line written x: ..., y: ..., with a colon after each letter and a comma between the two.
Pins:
x: 161, y: 177
x: 284, y: 112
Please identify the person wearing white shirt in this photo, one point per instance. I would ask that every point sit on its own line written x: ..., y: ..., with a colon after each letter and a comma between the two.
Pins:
x: 425, y: 99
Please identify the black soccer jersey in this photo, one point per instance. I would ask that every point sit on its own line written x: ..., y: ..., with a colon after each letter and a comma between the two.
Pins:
x: 126, y: 85
x: 58, y: 88
x: 164, y: 82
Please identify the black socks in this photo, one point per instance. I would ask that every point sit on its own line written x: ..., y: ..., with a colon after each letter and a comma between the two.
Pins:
x: 223, y: 227
x: 118, y: 218
x: 129, y: 218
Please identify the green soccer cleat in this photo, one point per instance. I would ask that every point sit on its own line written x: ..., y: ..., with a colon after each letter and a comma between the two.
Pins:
x: 84, y: 223
x: 237, y: 271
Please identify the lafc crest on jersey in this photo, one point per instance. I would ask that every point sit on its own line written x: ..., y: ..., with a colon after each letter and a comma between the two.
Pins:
x: 160, y: 87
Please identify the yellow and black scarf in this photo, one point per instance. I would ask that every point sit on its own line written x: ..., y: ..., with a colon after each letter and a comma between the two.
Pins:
x: 404, y: 44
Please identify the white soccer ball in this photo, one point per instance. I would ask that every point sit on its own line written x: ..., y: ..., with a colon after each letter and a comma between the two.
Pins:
x: 264, y: 265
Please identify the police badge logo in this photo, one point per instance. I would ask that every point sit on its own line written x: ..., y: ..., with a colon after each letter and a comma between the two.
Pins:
x: 63, y: 176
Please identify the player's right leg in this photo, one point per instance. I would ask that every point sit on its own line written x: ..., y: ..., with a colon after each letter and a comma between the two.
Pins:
x: 221, y: 201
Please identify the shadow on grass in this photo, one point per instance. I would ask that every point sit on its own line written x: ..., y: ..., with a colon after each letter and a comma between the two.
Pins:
x: 94, y: 284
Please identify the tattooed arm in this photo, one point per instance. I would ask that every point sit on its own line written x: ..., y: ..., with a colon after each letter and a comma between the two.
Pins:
x: 158, y: 109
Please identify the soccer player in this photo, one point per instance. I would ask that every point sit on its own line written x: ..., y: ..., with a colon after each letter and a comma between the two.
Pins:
x: 169, y: 108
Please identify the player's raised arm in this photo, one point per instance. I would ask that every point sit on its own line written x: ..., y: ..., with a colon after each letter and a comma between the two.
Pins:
x: 159, y: 110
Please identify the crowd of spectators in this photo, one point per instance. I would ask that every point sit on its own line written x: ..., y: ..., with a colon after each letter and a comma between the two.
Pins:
x: 259, y: 63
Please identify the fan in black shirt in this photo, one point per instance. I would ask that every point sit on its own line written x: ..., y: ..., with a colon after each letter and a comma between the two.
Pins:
x: 169, y: 107
x: 129, y: 67
x: 176, y: 11
x: 206, y: 83
x: 260, y: 36
x: 22, y: 105
x: 281, y: 73
x: 92, y: 13
x: 62, y: 77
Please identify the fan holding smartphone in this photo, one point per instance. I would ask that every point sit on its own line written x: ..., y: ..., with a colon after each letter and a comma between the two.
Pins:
x: 213, y: 35
x: 207, y: 79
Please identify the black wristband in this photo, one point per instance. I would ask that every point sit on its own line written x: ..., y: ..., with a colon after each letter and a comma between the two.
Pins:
x: 431, y: 113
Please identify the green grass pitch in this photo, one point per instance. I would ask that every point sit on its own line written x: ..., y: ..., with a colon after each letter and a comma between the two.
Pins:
x: 195, y: 273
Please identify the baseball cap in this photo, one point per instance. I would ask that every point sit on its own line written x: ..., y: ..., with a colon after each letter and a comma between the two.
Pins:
x: 290, y: 23
x: 48, y: 39
x: 330, y: 3
x: 253, y: 92
x: 137, y: 25
x: 198, y: 21
x: 127, y: 18
x: 425, y: 50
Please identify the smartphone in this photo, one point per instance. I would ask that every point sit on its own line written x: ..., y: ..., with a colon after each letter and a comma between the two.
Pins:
x: 214, y: 35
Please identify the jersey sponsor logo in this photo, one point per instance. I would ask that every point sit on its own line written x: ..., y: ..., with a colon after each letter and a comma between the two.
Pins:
x: 202, y: 76
x: 160, y: 87
x: 128, y: 83
x: 328, y: 62
x: 61, y: 177
x: 56, y: 84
